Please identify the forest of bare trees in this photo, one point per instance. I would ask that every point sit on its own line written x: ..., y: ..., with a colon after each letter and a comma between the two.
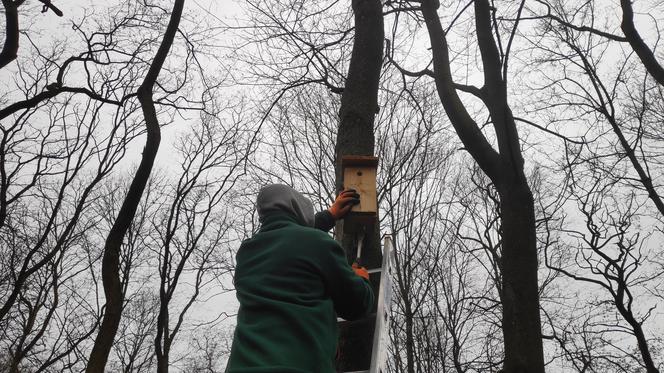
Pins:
x: 521, y: 174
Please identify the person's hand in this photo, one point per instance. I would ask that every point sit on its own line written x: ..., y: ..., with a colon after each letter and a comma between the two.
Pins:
x: 360, y: 271
x: 344, y: 202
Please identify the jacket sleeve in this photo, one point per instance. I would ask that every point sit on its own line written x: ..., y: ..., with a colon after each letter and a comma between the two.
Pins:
x: 352, y: 295
x: 324, y: 221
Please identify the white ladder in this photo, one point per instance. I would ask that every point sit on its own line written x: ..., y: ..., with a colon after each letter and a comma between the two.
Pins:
x: 381, y: 338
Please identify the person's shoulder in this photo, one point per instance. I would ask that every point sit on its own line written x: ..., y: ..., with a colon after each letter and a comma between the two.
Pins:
x: 313, y: 234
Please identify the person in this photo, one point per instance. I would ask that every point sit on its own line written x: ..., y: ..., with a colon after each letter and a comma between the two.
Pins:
x: 290, y: 279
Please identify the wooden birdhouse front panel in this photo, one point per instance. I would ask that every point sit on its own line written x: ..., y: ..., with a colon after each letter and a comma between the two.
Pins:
x: 359, y: 173
x: 363, y: 180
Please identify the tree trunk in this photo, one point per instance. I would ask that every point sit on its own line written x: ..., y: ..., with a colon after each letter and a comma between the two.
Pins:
x: 410, y: 341
x: 162, y: 339
x: 359, y: 106
x: 519, y: 293
x: 643, y: 346
x: 359, y: 101
x: 637, y: 329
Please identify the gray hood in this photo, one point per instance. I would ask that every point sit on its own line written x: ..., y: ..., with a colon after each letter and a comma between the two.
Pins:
x: 279, y: 197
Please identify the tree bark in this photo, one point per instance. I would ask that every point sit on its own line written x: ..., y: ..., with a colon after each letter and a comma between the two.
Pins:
x: 359, y: 106
x: 519, y: 294
x: 359, y: 101
x: 111, y: 259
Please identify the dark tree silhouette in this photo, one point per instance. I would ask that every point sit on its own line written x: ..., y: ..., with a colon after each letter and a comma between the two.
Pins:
x: 519, y: 292
x: 111, y: 259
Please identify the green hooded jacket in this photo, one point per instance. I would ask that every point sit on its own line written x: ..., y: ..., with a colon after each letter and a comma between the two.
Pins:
x: 290, y: 280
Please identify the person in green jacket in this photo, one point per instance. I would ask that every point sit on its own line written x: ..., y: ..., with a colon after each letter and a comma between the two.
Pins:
x: 292, y: 281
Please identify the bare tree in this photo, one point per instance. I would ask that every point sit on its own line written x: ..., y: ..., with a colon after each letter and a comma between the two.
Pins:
x: 68, y: 121
x: 519, y: 292
x: 557, y: 13
x: 132, y: 349
x: 612, y: 256
x: 414, y: 194
x: 111, y: 259
x: 50, y: 172
x: 624, y: 100
x: 194, y: 225
x: 608, y: 120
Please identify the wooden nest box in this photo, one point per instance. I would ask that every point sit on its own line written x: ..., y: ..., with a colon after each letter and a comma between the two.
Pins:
x: 359, y: 173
